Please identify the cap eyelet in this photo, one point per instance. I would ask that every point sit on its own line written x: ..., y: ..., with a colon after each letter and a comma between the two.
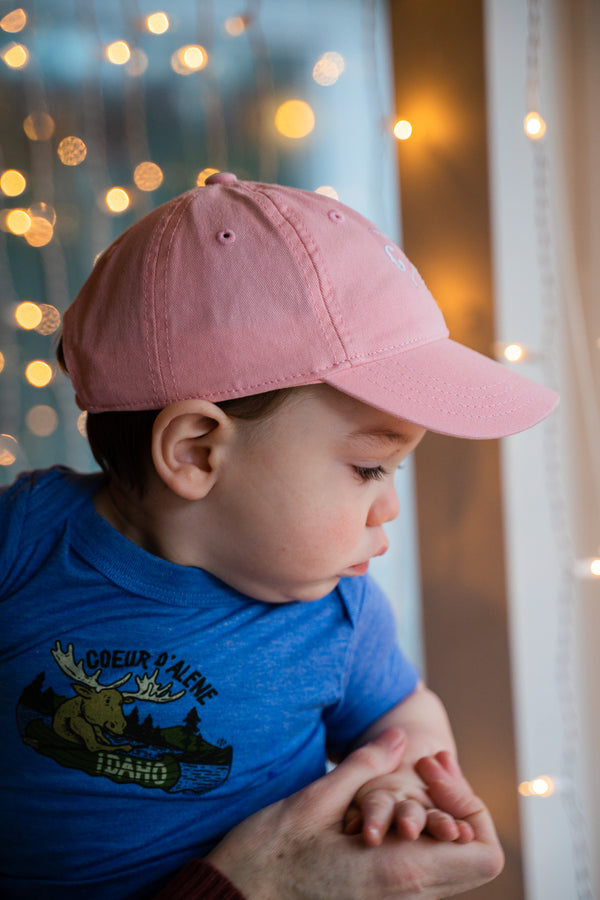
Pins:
x: 336, y: 216
x: 226, y: 237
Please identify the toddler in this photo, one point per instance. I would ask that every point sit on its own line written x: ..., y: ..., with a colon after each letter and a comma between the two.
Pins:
x: 188, y: 635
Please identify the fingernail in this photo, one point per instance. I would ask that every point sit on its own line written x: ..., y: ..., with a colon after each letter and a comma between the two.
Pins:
x: 391, y: 739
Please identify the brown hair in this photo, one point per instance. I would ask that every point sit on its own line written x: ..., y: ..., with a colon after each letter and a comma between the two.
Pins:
x: 121, y: 442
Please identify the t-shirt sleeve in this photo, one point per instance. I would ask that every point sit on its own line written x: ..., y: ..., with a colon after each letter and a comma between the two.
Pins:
x: 377, y: 674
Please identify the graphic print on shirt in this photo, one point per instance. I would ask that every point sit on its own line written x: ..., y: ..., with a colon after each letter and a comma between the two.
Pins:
x: 89, y: 730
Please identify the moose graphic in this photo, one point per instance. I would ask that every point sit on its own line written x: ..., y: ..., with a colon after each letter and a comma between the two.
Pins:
x: 98, y: 708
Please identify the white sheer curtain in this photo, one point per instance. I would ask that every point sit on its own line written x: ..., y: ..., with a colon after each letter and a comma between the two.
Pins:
x: 546, y: 226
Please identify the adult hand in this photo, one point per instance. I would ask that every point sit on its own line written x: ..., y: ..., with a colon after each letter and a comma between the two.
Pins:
x: 296, y: 848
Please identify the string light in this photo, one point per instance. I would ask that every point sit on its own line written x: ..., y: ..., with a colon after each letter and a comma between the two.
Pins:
x: 137, y: 64
x: 294, y: 119
x: 148, y: 176
x: 9, y: 448
x: 40, y: 232
x: 403, y: 129
x: 236, y: 25
x: 204, y: 174
x: 16, y: 56
x: 542, y: 786
x: 189, y: 59
x: 71, y: 151
x: 117, y: 200
x: 12, y: 182
x: 38, y: 373
x: 50, y: 321
x: 587, y: 568
x: 14, y: 21
x: 534, y: 125
x: 157, y: 23
x: 18, y: 221
x: 118, y: 53
x: 28, y: 315
x: 328, y: 68
x: 81, y: 424
x: 327, y: 191
x: 513, y: 352
x: 42, y: 420
x: 39, y: 126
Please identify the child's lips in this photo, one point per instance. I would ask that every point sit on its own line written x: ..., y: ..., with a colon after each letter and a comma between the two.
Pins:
x: 360, y: 569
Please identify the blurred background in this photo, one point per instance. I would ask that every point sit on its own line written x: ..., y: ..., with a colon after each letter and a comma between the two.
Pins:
x: 468, y: 131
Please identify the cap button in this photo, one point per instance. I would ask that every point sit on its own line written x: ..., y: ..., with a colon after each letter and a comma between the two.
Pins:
x: 221, y: 178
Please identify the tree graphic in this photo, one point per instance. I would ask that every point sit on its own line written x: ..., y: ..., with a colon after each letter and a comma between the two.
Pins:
x: 191, y: 722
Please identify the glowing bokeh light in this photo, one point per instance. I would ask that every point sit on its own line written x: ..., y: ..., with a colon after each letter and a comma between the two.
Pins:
x: 236, y: 25
x: 39, y: 126
x: 595, y: 568
x: 328, y: 68
x: 40, y: 232
x: 28, y: 315
x: 14, y: 21
x: 9, y: 449
x: 16, y: 56
x: 2, y: 361
x: 148, y: 176
x: 71, y: 151
x: 542, y: 786
x: 38, y: 373
x: 117, y: 200
x: 118, y: 53
x: 204, y: 174
x: 157, y: 23
x: 327, y: 191
x: 42, y: 420
x: 138, y: 63
x: 82, y: 424
x: 513, y: 352
x: 12, y: 182
x: 294, y: 119
x: 535, y: 127
x: 50, y: 321
x: 403, y: 129
x: 18, y: 221
x: 43, y: 211
x: 189, y: 59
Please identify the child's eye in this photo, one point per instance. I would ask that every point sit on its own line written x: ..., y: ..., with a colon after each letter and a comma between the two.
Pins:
x: 365, y: 473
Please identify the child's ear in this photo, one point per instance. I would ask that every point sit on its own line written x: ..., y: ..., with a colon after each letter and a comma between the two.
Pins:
x: 189, y: 444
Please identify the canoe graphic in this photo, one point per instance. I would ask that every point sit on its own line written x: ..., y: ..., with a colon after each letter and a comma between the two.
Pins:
x: 174, y: 765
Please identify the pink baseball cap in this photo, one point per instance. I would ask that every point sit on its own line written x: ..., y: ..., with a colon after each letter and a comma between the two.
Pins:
x: 237, y: 288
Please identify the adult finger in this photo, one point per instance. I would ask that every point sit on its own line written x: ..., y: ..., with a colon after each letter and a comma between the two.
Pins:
x: 325, y: 801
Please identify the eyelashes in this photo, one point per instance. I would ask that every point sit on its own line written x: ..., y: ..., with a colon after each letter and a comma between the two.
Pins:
x: 376, y: 473
x: 372, y: 473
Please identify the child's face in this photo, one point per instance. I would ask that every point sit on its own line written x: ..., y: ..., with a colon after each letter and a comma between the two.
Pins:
x: 304, y: 496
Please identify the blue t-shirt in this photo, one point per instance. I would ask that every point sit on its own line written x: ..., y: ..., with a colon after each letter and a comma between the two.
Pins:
x: 146, y: 708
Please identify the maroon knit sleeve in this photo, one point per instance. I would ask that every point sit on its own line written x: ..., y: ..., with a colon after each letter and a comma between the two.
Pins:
x: 198, y: 880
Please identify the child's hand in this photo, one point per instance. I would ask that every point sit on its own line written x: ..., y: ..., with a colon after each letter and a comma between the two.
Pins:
x: 399, y: 801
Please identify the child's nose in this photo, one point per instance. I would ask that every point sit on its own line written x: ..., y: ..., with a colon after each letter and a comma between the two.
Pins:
x: 385, y: 508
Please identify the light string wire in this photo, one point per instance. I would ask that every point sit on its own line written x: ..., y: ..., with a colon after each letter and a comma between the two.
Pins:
x: 554, y: 303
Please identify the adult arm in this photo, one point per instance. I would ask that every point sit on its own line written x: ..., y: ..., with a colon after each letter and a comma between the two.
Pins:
x: 296, y: 849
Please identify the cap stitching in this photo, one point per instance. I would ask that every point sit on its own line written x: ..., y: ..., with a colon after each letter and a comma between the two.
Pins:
x: 261, y: 197
x: 334, y: 313
x: 178, y: 208
x: 384, y: 384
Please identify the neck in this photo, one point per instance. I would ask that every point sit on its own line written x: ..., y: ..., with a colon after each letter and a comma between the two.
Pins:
x: 152, y: 521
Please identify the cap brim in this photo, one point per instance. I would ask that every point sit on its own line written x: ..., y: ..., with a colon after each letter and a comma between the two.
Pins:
x: 449, y: 388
